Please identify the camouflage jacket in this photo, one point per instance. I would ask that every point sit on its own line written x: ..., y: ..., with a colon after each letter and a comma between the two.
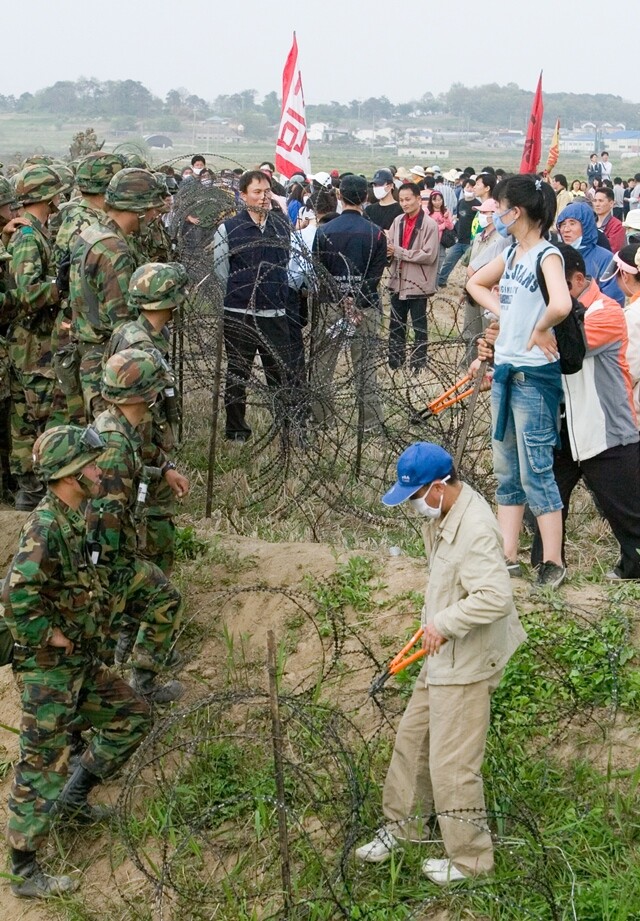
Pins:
x: 7, y: 298
x: 157, y: 435
x: 153, y: 244
x: 51, y: 581
x: 102, y: 263
x: 111, y: 516
x: 36, y: 297
x: 75, y: 216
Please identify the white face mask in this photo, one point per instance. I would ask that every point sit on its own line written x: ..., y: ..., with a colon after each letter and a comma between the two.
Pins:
x: 469, y: 194
x: 380, y: 192
x: 197, y: 169
x: 577, y: 243
x: 483, y: 220
x: 426, y: 511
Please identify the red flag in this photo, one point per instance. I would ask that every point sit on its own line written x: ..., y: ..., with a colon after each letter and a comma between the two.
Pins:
x: 292, y: 146
x: 554, y: 150
x: 533, y: 144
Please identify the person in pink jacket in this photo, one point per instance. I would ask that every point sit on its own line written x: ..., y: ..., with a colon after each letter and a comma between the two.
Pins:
x: 437, y: 212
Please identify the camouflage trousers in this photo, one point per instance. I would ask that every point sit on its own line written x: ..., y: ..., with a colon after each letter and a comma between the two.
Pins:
x: 146, y: 600
x: 32, y: 402
x: 160, y: 546
x: 91, y: 380
x: 57, y: 689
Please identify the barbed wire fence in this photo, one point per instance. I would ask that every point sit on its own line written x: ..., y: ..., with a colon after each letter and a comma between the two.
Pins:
x: 199, y: 808
x: 200, y: 816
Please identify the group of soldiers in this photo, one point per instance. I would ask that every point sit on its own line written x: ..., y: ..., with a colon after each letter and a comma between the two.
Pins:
x: 88, y: 435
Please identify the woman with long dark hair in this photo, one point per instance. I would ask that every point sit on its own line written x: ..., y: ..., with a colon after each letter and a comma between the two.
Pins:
x: 527, y: 386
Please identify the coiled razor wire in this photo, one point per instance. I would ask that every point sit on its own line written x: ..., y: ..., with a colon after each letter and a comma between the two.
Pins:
x: 197, y: 812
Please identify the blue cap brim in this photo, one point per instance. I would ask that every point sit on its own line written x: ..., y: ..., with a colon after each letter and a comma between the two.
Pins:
x: 398, y: 494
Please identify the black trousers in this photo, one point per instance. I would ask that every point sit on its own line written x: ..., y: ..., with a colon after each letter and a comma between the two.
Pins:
x: 400, y: 310
x: 614, y: 479
x: 244, y: 335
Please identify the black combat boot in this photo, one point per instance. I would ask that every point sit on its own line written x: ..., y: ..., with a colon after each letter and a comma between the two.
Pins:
x: 72, y: 802
x: 34, y: 883
x: 143, y: 682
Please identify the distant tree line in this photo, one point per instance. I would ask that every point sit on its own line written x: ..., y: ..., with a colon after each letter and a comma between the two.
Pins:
x: 490, y: 105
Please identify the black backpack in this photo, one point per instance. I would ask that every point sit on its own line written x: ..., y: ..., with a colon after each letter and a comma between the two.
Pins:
x: 570, y: 334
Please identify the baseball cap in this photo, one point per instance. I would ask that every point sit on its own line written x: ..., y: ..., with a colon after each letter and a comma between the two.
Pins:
x: 353, y: 189
x: 382, y: 177
x: 323, y: 179
x: 419, y: 464
x: 632, y: 220
x: 487, y: 206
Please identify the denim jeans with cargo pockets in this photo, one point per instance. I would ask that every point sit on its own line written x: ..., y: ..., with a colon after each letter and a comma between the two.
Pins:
x: 523, y: 461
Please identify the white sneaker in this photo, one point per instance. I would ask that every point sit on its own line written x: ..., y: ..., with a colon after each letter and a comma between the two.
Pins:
x: 442, y: 872
x: 379, y: 849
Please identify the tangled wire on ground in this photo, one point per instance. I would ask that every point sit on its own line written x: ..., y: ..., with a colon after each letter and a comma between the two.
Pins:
x: 199, y: 809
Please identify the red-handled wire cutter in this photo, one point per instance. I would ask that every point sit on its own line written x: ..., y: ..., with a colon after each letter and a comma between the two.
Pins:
x: 398, y: 663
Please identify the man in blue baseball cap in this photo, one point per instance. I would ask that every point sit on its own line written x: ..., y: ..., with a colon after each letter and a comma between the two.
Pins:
x: 471, y: 630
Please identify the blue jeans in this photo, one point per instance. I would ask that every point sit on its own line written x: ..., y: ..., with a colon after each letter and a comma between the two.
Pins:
x: 523, y: 461
x: 454, y: 254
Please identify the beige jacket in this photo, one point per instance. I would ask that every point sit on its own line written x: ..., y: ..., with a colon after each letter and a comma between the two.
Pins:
x: 413, y: 271
x: 469, y: 598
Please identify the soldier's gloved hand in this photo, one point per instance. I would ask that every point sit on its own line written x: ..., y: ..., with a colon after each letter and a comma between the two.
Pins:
x: 62, y: 278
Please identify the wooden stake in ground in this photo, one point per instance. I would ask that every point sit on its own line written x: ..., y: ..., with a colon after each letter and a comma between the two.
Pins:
x: 471, y: 405
x: 215, y: 411
x: 276, y: 732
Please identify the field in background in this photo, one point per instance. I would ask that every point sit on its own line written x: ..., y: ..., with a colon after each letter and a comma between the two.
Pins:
x: 27, y: 134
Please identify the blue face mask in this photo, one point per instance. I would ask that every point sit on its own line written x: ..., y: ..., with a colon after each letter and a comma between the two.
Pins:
x: 500, y: 226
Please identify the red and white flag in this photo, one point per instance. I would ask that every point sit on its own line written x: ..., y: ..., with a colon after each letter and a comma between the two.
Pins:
x: 292, y: 146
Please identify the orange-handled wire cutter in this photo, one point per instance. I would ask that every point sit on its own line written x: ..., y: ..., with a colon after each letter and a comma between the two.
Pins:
x: 449, y: 398
x: 398, y: 663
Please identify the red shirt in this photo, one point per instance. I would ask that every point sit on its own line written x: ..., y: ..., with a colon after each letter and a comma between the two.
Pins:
x: 409, y: 225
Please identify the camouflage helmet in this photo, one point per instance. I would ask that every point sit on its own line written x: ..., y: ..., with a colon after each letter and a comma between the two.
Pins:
x: 158, y: 286
x: 37, y: 160
x: 66, y: 174
x: 37, y: 183
x: 135, y: 161
x: 134, y: 376
x: 134, y: 190
x: 95, y: 172
x: 7, y: 193
x: 64, y: 450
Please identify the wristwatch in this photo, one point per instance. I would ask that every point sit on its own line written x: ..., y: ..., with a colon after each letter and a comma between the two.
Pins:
x: 167, y: 467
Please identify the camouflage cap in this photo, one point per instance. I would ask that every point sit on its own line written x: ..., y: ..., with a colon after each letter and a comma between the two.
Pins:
x: 95, y: 171
x: 37, y: 183
x: 158, y: 286
x: 7, y: 193
x: 134, y: 376
x: 134, y: 190
x: 64, y: 450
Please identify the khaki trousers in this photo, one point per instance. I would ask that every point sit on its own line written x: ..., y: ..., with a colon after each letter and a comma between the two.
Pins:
x: 436, y: 768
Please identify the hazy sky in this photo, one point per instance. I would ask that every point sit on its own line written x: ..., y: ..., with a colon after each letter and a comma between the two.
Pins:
x: 349, y: 49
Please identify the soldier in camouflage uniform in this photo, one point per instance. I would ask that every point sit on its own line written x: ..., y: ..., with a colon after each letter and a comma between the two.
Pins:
x: 154, y: 244
x: 55, y: 609
x: 37, y: 296
x: 148, y: 606
x: 102, y: 263
x: 93, y: 174
x: 9, y: 210
x: 156, y: 290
